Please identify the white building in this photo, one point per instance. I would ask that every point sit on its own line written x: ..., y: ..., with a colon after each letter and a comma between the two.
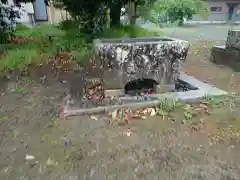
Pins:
x: 38, y: 11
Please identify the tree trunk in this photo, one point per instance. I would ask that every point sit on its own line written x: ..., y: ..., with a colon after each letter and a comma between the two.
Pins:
x: 181, y: 21
x: 132, y: 7
x: 115, y: 14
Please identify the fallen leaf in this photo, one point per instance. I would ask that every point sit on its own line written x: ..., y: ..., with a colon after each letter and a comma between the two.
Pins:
x: 153, y: 112
x: 145, y: 111
x: 114, y: 114
x: 203, y: 106
x: 127, y: 133
x: 164, y: 117
x: 143, y: 117
x: 127, y: 115
x: 51, y: 162
x: 29, y: 157
x: 198, y: 109
x: 94, y: 118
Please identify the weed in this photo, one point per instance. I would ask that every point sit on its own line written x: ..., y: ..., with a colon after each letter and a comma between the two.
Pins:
x: 188, y: 113
x: 81, y: 56
x: 167, y: 106
x: 215, y: 101
x: 20, y: 90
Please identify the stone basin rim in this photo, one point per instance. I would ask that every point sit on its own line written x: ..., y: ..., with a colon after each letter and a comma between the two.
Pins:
x: 140, y: 40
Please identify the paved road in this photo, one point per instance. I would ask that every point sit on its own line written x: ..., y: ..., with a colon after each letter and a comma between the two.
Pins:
x: 198, y: 32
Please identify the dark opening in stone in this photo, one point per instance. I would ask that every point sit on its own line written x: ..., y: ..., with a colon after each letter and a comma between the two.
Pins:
x: 140, y: 87
x: 182, y: 86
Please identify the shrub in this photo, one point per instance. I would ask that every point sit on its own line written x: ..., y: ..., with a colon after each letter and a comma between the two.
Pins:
x: 68, y: 24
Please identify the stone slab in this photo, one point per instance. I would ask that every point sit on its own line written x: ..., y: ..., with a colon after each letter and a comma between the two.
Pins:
x: 136, y: 102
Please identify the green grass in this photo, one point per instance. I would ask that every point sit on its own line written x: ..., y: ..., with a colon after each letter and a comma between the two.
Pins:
x: 41, y: 30
x: 19, y: 59
x: 53, y: 39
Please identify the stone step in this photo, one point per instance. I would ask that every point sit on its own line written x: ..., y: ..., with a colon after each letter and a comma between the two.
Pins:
x: 233, y: 39
x: 224, y: 56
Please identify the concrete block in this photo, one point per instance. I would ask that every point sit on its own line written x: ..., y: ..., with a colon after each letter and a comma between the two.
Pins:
x: 233, y: 40
x: 222, y: 55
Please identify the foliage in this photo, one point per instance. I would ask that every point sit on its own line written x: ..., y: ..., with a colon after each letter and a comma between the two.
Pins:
x: 90, y: 15
x: 146, y: 10
x: 176, y: 10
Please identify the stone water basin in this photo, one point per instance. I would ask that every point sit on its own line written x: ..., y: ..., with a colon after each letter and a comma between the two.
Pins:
x: 126, y: 60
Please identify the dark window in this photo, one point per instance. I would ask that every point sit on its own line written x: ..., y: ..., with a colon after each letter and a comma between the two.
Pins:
x: 216, y: 9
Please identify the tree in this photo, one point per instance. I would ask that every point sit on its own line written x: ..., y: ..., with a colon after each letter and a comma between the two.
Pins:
x: 132, y: 7
x: 93, y: 14
x: 90, y: 14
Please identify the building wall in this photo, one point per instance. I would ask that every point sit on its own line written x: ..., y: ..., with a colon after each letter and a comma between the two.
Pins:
x: 41, y: 12
x: 219, y: 15
x: 48, y: 13
x: 56, y: 15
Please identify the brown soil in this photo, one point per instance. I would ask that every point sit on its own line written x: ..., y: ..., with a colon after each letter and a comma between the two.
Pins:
x: 92, y: 148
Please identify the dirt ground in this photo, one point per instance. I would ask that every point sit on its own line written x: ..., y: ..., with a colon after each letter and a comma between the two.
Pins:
x: 36, y: 145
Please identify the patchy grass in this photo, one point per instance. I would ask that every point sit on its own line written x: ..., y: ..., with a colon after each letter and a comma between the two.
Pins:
x: 50, y: 40
x: 146, y: 148
x: 19, y: 59
x: 183, y: 141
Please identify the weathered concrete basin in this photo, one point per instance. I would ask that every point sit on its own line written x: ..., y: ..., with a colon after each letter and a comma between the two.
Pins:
x: 126, y: 60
